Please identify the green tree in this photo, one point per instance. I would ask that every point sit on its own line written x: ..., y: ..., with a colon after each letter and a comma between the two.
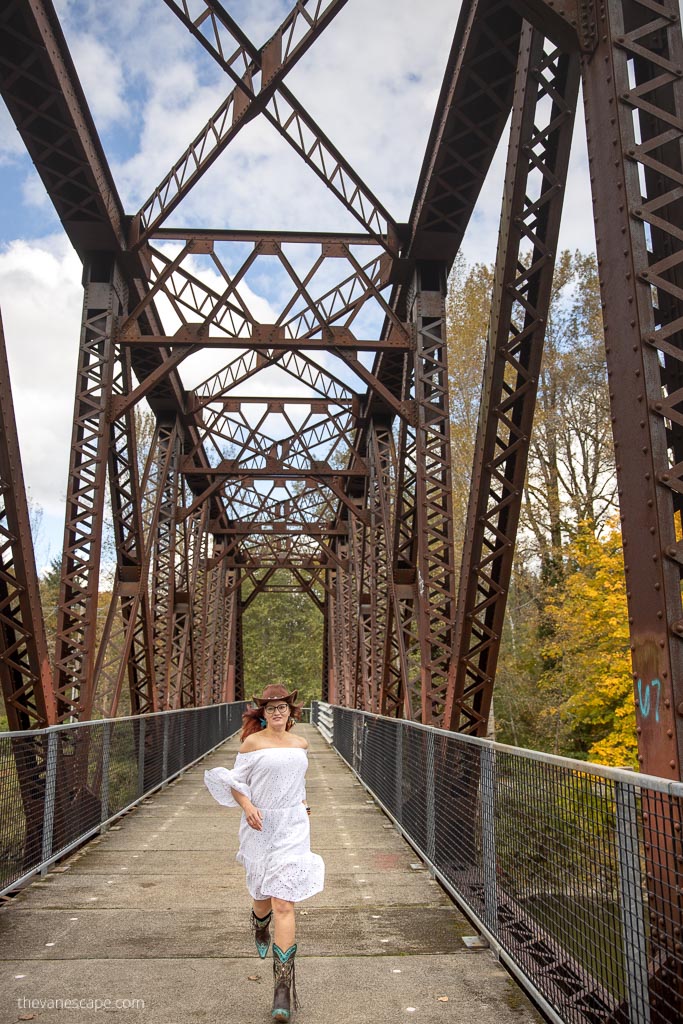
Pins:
x: 282, y: 640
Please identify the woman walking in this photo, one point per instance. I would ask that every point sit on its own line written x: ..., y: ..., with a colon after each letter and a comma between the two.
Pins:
x: 268, y: 783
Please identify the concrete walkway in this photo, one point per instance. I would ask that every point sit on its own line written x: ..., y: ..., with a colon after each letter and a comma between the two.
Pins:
x: 157, y: 911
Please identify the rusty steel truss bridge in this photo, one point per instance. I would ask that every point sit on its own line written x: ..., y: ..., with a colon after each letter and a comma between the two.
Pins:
x: 321, y: 447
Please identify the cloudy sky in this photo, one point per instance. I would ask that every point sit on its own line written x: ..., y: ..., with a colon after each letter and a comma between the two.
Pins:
x: 371, y: 81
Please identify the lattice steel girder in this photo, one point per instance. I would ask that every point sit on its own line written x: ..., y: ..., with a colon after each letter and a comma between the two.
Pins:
x: 327, y: 684
x: 76, y: 643
x: 217, y: 313
x: 546, y: 91
x: 404, y: 556
x: 132, y: 554
x: 633, y: 93
x: 134, y: 645
x: 376, y: 590
x: 472, y: 109
x: 25, y: 671
x: 433, y: 522
x: 395, y: 670
x: 41, y: 89
x: 283, y: 111
x: 236, y: 657
x: 240, y: 106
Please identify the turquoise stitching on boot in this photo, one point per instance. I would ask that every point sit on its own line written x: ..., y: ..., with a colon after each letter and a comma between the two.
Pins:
x: 284, y: 957
x: 280, y: 1014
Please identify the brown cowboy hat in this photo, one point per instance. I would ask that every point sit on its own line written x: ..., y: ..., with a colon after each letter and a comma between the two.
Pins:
x: 275, y: 692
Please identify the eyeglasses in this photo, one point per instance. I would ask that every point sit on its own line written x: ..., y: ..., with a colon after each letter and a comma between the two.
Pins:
x: 280, y: 708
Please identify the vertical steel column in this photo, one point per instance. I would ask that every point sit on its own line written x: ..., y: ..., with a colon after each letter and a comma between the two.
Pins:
x: 326, y: 687
x: 163, y: 572
x: 404, y: 554
x: 225, y: 685
x: 349, y: 619
x: 209, y: 635
x: 237, y: 660
x: 181, y: 678
x: 126, y: 501
x: 546, y: 89
x: 633, y: 94
x: 126, y: 640
x: 394, y: 666
x: 358, y: 624
x: 77, y: 615
x: 433, y: 493
x: 376, y: 569
x: 338, y: 634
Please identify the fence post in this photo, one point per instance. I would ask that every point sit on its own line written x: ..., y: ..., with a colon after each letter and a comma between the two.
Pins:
x: 164, y: 754
x: 429, y: 785
x: 141, y: 758
x: 49, y: 805
x: 488, y: 837
x: 398, y: 768
x: 104, y: 786
x: 631, y: 904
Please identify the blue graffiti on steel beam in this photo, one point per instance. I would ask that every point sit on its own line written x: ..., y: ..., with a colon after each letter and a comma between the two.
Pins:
x: 644, y: 699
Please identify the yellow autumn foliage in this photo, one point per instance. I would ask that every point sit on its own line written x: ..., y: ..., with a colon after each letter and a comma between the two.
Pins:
x: 588, y: 650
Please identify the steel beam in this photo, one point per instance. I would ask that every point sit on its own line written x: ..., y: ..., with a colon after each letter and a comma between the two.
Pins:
x: 546, y: 92
x: 76, y: 644
x: 633, y: 93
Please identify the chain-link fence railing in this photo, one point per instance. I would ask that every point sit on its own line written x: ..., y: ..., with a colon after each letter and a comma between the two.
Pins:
x: 61, y: 785
x: 574, y: 872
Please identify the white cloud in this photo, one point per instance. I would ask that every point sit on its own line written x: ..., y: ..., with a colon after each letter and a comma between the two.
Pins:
x: 33, y: 190
x: 102, y: 79
x: 41, y: 299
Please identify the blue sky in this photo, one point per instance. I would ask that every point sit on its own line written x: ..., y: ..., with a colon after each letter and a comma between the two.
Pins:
x: 371, y: 81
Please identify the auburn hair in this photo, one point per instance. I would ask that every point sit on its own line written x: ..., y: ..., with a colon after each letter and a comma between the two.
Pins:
x: 251, y: 719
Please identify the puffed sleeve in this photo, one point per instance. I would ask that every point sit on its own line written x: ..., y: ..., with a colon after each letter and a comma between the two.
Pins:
x: 219, y: 782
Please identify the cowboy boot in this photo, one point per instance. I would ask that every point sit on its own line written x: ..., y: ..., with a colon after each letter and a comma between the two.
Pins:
x: 285, y: 986
x: 259, y: 926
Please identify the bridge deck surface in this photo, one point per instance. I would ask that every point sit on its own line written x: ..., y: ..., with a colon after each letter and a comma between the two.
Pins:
x: 157, y: 910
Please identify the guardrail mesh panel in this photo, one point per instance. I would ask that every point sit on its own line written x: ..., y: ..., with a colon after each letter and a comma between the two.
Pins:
x: 575, y: 871
x: 59, y: 785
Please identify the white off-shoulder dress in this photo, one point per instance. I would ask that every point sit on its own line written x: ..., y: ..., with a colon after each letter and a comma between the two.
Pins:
x: 278, y: 859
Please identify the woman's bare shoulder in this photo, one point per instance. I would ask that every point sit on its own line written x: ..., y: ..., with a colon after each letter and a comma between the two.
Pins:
x: 300, y: 741
x: 250, y: 743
